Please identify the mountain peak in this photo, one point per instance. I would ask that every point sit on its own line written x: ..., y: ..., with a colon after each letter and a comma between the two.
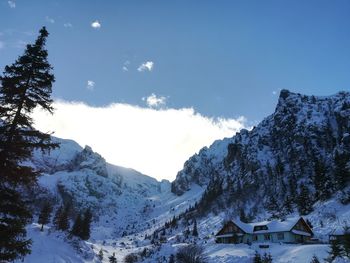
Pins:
x: 302, y: 129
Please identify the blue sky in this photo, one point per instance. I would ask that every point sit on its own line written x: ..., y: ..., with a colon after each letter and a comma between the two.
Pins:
x: 224, y: 58
x: 221, y: 58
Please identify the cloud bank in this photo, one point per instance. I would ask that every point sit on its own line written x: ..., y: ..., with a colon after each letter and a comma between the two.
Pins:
x: 154, y: 142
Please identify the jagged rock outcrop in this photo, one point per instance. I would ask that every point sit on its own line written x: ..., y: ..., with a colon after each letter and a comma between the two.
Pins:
x: 283, y: 152
x: 81, y: 177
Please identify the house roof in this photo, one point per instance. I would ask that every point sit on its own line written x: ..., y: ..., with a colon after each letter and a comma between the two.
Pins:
x: 338, y: 231
x: 272, y: 226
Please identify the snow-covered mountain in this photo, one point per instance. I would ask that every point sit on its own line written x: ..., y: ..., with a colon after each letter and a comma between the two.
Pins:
x: 242, y: 174
x: 303, y: 142
x: 83, y: 178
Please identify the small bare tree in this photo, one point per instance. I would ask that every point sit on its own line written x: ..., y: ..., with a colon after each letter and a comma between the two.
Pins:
x: 191, y: 254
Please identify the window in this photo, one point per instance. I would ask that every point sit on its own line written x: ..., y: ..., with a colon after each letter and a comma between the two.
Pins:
x: 255, y: 238
x: 280, y: 236
x: 258, y: 228
x: 267, y: 237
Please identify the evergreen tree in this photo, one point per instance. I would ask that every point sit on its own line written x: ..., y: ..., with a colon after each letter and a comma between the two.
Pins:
x: 321, y: 181
x: 195, y: 231
x: 242, y: 215
x: 257, y: 258
x: 173, y: 222
x: 77, y: 226
x: 341, y: 170
x: 100, y: 255
x: 272, y: 207
x: 13, y: 219
x: 336, y: 250
x: 292, y: 183
x: 346, y: 242
x: 288, y: 205
x: 24, y: 85
x: 61, y: 220
x: 314, y: 260
x: 57, y: 216
x: 304, y: 200
x: 85, y: 234
x: 267, y: 258
x: 45, y: 214
x: 346, y: 245
x: 112, y: 259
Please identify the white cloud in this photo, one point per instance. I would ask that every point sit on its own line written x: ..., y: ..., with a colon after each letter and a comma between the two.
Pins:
x: 90, y: 85
x: 68, y: 25
x: 126, y: 65
x: 50, y: 20
x: 148, y: 65
x: 154, y: 101
x: 12, y: 4
x: 155, y: 142
x: 274, y: 92
x: 96, y: 24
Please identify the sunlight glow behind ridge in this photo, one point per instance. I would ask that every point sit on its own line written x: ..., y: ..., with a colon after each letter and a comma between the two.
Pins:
x: 155, y: 142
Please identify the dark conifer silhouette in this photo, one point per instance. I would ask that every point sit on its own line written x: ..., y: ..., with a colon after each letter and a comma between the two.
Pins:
x: 304, y: 201
x: 45, y: 214
x: 77, y: 226
x: 61, y: 219
x: 336, y: 250
x: 85, y: 234
x: 257, y: 258
x: 195, y: 230
x: 14, y: 217
x: 112, y: 259
x: 315, y: 259
x: 100, y: 255
x: 24, y: 85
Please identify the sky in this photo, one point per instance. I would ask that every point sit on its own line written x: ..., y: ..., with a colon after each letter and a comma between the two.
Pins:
x: 166, y: 78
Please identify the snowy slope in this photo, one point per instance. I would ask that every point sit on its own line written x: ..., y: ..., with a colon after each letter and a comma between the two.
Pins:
x: 130, y: 209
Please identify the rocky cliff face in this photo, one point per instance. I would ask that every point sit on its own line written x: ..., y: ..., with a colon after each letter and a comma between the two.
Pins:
x: 83, y: 178
x: 305, y: 138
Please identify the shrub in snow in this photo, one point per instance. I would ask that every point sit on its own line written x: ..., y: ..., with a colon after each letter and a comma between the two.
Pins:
x: 131, y: 258
x: 100, y: 254
x: 112, y: 259
x: 191, y: 254
x: 257, y: 257
x: 314, y: 260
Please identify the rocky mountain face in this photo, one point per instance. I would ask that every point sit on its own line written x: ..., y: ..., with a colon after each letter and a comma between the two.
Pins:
x: 83, y: 178
x: 304, y: 146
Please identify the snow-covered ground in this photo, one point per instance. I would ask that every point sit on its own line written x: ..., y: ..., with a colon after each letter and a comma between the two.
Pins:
x: 281, y: 253
x: 130, y: 205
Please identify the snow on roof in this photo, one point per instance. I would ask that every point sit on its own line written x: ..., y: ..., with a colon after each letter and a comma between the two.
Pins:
x: 272, y: 226
x: 302, y: 233
x: 338, y: 231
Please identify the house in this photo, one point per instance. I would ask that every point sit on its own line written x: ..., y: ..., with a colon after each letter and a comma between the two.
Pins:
x: 292, y: 230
